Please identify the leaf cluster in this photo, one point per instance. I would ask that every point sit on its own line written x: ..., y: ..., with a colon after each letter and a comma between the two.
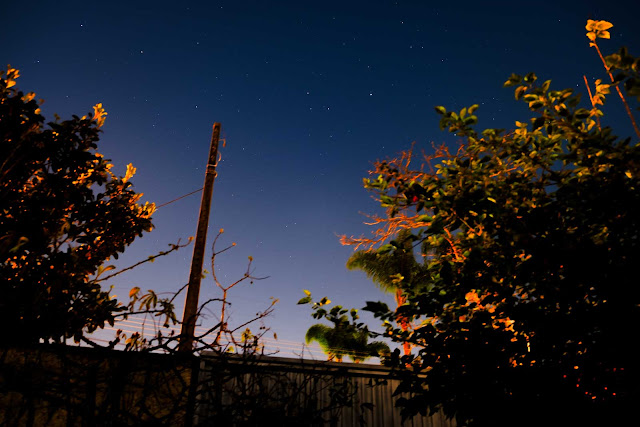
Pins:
x: 627, y: 71
x: 529, y: 245
x: 347, y: 336
x: 63, y: 213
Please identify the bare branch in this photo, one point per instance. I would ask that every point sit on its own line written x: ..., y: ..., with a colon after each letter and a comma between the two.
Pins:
x: 174, y: 247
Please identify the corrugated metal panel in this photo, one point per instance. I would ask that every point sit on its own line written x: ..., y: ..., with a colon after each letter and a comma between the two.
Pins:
x: 302, y: 392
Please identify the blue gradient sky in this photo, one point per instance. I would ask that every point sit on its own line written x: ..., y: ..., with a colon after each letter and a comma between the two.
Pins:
x: 308, y: 93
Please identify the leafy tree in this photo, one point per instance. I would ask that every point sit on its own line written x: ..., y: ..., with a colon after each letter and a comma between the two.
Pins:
x: 529, y: 249
x: 391, y: 268
x: 63, y: 213
x: 346, y: 337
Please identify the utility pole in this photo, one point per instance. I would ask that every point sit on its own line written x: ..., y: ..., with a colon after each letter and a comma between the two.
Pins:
x: 193, y: 289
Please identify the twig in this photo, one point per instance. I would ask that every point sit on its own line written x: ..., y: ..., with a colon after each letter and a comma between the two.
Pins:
x: 593, y: 104
x: 174, y: 247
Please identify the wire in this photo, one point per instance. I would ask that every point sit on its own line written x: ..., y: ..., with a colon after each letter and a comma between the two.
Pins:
x: 287, y: 349
x: 181, y: 197
x: 134, y: 321
x: 137, y: 322
x: 313, y: 349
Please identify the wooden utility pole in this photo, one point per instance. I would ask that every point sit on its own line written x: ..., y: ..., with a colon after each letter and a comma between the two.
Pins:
x: 193, y: 289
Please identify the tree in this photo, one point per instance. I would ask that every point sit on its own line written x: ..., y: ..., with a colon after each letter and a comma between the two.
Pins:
x: 346, y: 337
x: 63, y: 214
x: 392, y: 268
x: 529, y: 243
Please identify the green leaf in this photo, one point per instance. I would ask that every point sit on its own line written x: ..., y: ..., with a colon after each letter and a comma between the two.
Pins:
x: 424, y: 218
x: 520, y: 90
x: 376, y: 307
x: 535, y: 105
x: 538, y: 122
x: 305, y: 300
x: 513, y: 80
x: 582, y: 113
x: 437, y: 226
x: 386, y: 201
x: 384, y: 249
x: 21, y: 242
x: 545, y: 85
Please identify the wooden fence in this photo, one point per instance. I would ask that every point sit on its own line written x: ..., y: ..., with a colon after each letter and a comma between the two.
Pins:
x: 72, y: 386
x: 299, y: 392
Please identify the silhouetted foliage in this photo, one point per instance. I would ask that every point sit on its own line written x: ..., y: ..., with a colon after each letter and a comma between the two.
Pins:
x: 63, y: 214
x: 529, y: 245
x: 347, y: 336
x: 392, y: 268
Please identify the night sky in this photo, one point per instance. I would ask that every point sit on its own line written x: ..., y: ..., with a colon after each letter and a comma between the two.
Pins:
x: 309, y: 94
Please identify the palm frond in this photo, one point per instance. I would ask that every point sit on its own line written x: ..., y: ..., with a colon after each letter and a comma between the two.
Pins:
x: 383, y: 268
x: 317, y: 333
x: 378, y: 348
x: 377, y: 267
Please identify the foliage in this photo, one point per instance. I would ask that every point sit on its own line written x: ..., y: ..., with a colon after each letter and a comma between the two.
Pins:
x: 392, y: 268
x: 391, y: 265
x: 64, y: 213
x: 527, y: 301
x: 347, y: 337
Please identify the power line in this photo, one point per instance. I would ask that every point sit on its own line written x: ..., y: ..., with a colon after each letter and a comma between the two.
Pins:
x: 134, y: 321
x: 181, y: 197
x: 313, y: 349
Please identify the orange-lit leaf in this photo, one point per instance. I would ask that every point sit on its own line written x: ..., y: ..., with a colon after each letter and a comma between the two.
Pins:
x: 603, y: 25
x: 130, y: 172
x: 99, y: 114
